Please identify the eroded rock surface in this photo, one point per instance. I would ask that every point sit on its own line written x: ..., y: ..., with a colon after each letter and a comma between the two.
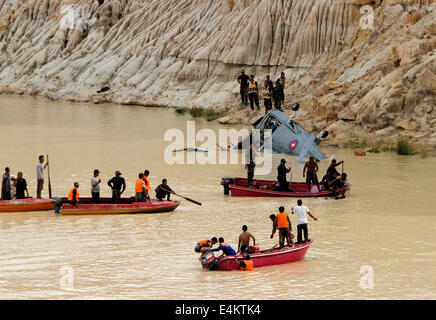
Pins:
x: 359, y: 68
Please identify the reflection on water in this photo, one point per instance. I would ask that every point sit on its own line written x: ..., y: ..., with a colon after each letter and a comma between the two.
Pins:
x: 388, y: 222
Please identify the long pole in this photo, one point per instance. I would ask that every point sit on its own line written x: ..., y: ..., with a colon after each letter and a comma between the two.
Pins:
x: 49, y: 183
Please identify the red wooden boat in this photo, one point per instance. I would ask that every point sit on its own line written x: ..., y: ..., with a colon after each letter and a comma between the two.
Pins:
x: 265, y: 188
x: 265, y: 258
x: 27, y: 204
x: 105, y: 206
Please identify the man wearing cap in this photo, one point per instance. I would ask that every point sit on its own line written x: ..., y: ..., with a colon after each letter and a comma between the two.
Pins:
x: 95, y: 187
x: 116, y: 183
x: 73, y: 195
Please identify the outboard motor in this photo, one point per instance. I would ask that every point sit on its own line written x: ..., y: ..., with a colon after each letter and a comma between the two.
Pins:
x: 225, y: 182
x: 208, y: 259
x: 58, y: 204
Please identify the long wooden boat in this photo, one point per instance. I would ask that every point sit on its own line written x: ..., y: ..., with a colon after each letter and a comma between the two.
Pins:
x: 105, y: 206
x: 265, y: 258
x: 265, y: 188
x: 26, y: 204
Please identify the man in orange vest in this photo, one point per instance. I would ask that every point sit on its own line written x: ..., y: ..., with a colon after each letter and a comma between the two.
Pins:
x: 73, y: 195
x: 205, y: 245
x: 282, y: 223
x: 147, y: 184
x: 245, y: 265
x: 140, y: 190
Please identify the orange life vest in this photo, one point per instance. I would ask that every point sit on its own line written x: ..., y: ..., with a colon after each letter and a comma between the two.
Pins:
x: 252, y: 87
x: 147, y: 183
x: 204, y: 243
x: 138, y: 185
x: 70, y: 195
x: 248, y: 265
x: 282, y: 220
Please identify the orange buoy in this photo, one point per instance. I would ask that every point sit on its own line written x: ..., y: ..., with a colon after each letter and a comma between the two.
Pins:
x: 359, y: 152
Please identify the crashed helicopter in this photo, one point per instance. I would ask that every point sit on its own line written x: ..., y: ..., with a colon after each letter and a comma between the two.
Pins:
x: 287, y: 135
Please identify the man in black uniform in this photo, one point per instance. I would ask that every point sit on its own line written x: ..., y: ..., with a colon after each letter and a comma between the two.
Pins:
x: 116, y: 183
x: 163, y: 190
x: 250, y: 163
x: 243, y: 82
x: 277, y: 95
x: 20, y: 186
x: 281, y: 176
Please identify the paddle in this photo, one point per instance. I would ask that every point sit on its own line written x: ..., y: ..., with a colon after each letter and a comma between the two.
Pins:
x: 49, y: 183
x: 188, y: 199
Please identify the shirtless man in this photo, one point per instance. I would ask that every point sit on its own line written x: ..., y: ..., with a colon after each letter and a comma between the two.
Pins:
x: 312, y: 169
x: 244, y: 240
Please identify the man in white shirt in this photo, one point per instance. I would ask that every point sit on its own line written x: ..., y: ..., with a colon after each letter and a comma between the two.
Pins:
x: 302, y: 212
x: 40, y: 176
x: 95, y: 187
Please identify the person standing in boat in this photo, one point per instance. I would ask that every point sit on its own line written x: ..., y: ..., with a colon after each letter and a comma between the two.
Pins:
x: 302, y: 212
x: 312, y: 168
x: 95, y: 187
x: 282, y: 223
x: 244, y: 240
x: 147, y: 184
x: 332, y: 168
x: 140, y: 190
x: 250, y: 163
x: 163, y: 190
x: 281, y: 176
x: 40, y: 176
x: 118, y: 185
x: 226, y: 249
x: 21, y: 186
x: 73, y: 195
x: 6, y: 185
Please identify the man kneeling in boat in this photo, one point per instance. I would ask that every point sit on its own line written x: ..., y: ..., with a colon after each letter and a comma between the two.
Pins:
x: 163, y: 190
x: 73, y: 195
x: 205, y: 245
x: 245, y: 265
x: 227, y: 250
x: 340, y: 186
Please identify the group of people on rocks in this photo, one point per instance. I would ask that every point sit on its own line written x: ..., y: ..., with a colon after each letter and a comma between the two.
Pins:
x: 281, y: 222
x: 15, y: 187
x: 271, y: 92
x: 118, y: 186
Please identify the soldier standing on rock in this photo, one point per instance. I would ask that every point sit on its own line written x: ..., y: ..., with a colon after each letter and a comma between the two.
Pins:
x: 243, y: 82
x: 253, y: 92
x: 282, y: 81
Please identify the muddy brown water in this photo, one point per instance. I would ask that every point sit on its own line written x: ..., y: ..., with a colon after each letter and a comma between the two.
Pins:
x: 386, y: 225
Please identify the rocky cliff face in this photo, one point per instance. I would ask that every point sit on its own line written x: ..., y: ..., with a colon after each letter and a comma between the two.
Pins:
x: 357, y: 67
